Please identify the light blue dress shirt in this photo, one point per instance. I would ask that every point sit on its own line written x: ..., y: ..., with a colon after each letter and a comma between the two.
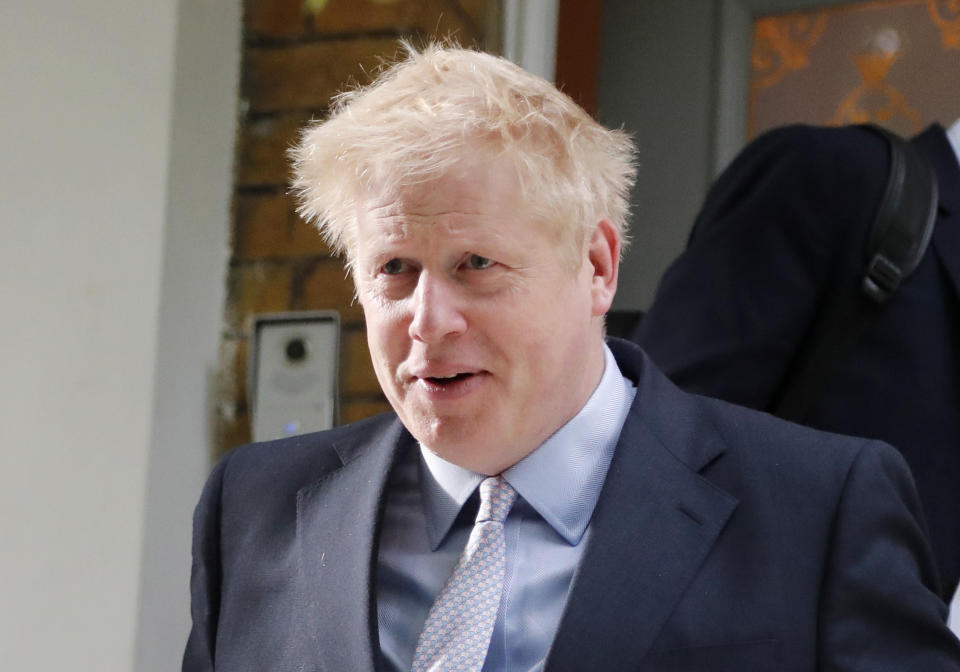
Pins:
x: 429, y: 514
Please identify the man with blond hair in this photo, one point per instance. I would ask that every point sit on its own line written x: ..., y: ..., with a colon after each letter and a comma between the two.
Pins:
x: 540, y: 498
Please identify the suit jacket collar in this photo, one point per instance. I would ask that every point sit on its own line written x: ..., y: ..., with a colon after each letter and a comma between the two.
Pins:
x: 654, y: 525
x: 933, y: 143
x: 338, y: 520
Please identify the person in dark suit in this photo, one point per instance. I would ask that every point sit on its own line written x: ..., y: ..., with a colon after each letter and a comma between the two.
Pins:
x: 785, y: 226
x: 540, y: 499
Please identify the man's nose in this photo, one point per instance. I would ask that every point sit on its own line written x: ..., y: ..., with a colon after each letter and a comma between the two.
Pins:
x: 436, y: 310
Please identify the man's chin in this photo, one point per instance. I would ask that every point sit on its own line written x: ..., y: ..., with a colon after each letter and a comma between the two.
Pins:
x: 471, y: 440
x: 445, y: 437
x: 458, y: 442
x: 477, y: 460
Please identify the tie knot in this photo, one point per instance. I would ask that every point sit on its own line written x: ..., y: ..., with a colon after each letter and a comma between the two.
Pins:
x: 496, y: 498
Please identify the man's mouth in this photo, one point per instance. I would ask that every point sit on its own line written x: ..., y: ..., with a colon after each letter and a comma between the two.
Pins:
x: 457, y: 383
x: 446, y: 380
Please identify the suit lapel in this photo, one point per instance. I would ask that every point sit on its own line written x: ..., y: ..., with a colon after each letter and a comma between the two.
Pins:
x: 337, y: 528
x: 654, y: 524
x: 946, y: 241
x: 946, y: 233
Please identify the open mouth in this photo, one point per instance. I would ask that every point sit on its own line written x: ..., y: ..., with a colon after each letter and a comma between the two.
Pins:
x: 448, y: 380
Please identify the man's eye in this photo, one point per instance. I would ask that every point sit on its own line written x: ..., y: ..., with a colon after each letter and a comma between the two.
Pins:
x: 478, y: 263
x: 393, y: 267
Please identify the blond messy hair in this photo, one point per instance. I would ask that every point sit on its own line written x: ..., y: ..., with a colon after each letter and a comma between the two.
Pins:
x: 444, y: 106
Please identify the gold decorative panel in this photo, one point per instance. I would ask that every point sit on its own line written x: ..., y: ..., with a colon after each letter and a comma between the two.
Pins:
x: 946, y: 14
x: 891, y: 62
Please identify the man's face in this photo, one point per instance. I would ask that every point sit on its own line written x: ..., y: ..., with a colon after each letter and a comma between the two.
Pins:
x: 483, y: 336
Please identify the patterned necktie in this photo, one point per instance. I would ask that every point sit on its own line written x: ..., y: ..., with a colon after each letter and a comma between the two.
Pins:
x: 457, y: 633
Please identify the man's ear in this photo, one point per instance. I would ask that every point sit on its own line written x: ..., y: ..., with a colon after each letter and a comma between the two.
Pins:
x: 603, y: 255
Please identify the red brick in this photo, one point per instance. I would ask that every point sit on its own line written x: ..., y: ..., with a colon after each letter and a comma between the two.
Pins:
x: 262, y: 153
x: 297, y: 18
x: 440, y: 20
x: 326, y: 286
x: 267, y: 227
x: 232, y: 431
x: 356, y: 370
x: 284, y: 19
x: 305, y: 77
x: 483, y: 14
x: 235, y: 355
x: 257, y: 288
x: 354, y: 410
x: 275, y: 18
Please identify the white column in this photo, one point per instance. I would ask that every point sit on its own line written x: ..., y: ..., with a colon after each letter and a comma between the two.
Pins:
x: 530, y: 35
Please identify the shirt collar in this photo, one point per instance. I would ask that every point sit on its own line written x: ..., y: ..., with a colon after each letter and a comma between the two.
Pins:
x: 446, y: 487
x: 561, y: 479
x: 953, y: 135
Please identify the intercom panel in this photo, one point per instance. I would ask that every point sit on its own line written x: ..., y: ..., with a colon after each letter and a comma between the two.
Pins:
x: 293, y: 373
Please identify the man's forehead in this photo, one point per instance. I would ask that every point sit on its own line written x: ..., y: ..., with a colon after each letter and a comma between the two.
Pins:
x: 463, y: 199
x: 403, y: 211
x: 395, y: 222
x: 476, y: 184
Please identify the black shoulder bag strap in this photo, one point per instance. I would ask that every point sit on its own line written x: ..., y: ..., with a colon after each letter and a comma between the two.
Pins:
x: 898, y: 239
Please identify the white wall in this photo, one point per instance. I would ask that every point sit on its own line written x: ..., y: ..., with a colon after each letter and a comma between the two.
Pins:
x: 530, y: 35
x: 195, y: 256
x: 91, y: 239
x: 657, y: 81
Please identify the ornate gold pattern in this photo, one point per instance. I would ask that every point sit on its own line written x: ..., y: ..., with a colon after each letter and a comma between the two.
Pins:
x: 782, y: 44
x: 875, y: 100
x: 946, y: 15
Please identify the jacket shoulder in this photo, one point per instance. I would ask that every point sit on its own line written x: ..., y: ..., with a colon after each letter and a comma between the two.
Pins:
x: 302, y: 458
x: 763, y: 447
x: 811, y: 164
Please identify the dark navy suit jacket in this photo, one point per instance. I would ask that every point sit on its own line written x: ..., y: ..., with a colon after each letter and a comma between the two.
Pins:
x: 723, y: 540
x: 784, y: 225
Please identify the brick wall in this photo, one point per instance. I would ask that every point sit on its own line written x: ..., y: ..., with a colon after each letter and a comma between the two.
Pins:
x: 296, y: 55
